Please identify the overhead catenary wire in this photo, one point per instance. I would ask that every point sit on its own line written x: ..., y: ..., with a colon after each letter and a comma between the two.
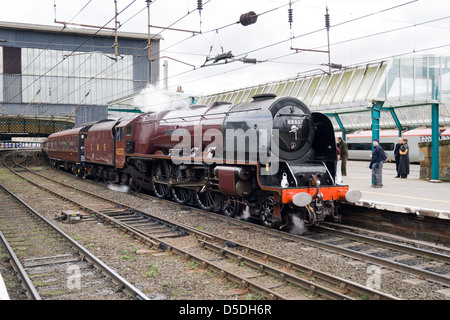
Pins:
x: 216, y: 30
x: 344, y: 41
x: 275, y: 58
x: 293, y: 53
x: 102, y: 71
x: 145, y: 43
x: 302, y: 35
x: 212, y: 30
x: 331, y: 26
x: 334, y: 26
x: 271, y: 60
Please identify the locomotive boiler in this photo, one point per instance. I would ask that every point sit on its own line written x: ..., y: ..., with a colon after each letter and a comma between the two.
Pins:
x: 271, y: 157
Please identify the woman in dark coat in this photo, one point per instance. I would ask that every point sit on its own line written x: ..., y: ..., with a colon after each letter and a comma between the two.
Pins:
x: 397, y: 155
x: 403, y: 167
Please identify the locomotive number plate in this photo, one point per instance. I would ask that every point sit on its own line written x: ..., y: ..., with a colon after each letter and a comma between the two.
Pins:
x: 294, y: 121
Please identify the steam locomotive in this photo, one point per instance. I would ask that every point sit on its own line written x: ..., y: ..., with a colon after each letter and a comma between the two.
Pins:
x: 272, y: 157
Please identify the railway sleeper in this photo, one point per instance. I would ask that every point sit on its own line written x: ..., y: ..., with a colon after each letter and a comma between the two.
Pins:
x: 33, y: 263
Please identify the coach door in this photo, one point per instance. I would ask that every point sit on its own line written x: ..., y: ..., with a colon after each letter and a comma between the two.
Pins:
x: 120, y: 147
x: 81, y: 138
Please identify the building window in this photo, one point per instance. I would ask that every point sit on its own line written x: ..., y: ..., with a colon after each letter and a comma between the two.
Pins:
x: 12, y: 61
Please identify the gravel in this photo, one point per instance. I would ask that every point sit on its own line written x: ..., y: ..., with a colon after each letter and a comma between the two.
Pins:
x: 166, y: 276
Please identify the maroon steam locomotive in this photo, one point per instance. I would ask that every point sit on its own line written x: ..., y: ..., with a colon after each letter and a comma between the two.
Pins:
x: 273, y: 157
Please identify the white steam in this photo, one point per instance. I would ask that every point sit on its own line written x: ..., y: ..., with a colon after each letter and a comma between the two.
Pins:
x: 155, y: 99
x: 245, y: 214
x: 298, y: 226
x: 120, y: 188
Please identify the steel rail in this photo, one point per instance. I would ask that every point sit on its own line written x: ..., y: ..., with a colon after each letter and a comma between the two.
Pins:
x: 243, y: 281
x: 430, y: 276
x: 427, y: 275
x: 207, y: 239
x: 340, y: 292
x: 117, y: 279
x: 17, y: 266
x: 340, y: 283
x: 170, y: 248
x: 204, y: 237
x: 388, y: 244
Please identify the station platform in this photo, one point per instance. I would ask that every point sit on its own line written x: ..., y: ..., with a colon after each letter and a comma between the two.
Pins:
x: 3, y: 292
x: 411, y: 195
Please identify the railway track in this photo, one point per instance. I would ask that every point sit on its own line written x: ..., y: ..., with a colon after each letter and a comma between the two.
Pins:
x: 251, y: 269
x: 421, y: 263
x: 426, y: 263
x: 49, y: 264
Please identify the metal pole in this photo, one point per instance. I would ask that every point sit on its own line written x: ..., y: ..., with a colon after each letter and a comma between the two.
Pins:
x: 396, y: 119
x: 6, y: 112
x: 30, y: 102
x: 327, y: 24
x: 435, y: 142
x: 435, y: 131
x: 149, y: 44
x: 166, y: 75
x: 341, y: 125
x: 116, y: 44
x: 376, y: 115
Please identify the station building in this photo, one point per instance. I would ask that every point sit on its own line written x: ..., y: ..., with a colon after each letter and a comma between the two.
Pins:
x: 55, y: 77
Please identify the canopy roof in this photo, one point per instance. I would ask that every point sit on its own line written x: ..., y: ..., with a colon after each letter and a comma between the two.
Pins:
x: 407, y: 85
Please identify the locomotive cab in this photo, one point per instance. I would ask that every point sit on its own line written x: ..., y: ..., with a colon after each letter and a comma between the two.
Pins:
x: 124, y: 138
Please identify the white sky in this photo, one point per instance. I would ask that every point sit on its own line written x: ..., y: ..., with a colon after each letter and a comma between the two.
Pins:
x: 359, y: 42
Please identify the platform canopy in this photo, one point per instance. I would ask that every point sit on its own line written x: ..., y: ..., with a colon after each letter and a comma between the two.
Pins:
x: 405, y: 86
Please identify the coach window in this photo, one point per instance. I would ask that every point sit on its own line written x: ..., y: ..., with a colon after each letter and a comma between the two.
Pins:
x: 389, y: 146
x: 359, y: 146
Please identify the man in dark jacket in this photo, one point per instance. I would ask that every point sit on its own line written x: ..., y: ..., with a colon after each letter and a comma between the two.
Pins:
x: 344, y: 155
x: 376, y: 164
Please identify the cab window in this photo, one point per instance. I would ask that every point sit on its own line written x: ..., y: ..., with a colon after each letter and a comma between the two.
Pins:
x: 129, y: 130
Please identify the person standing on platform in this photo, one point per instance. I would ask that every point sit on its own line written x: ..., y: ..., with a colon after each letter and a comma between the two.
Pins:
x: 397, y: 155
x: 403, y: 167
x: 376, y: 164
x: 344, y: 155
x: 338, y: 177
